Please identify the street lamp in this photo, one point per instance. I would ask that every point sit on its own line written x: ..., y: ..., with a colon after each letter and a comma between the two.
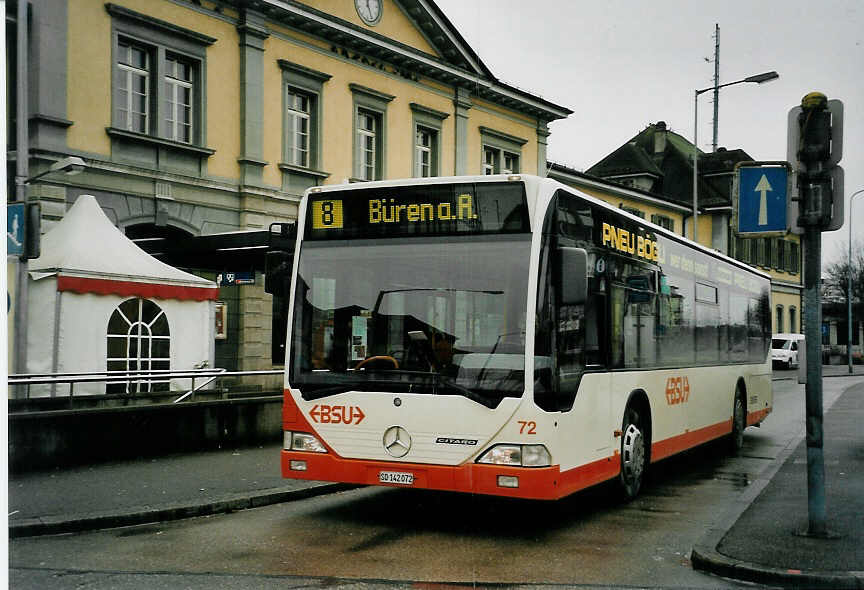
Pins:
x: 757, y: 79
x: 849, y: 283
x: 71, y: 165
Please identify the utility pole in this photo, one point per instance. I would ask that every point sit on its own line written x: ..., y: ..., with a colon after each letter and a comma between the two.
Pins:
x: 716, y: 84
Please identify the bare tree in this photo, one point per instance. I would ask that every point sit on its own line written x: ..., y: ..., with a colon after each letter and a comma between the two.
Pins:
x: 835, y: 276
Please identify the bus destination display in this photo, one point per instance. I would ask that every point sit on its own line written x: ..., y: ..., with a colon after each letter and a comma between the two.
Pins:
x: 425, y: 210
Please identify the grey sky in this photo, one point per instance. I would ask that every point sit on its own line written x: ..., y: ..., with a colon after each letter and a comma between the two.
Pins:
x: 621, y: 65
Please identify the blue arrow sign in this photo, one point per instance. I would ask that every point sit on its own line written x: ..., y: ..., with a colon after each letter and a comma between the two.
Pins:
x: 762, y: 193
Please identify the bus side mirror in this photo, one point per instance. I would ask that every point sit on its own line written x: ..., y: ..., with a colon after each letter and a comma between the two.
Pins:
x: 279, y: 258
x: 573, y: 271
x: 277, y: 272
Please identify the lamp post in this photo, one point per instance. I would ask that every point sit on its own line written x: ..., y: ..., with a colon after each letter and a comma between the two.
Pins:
x: 757, y: 79
x: 849, y: 283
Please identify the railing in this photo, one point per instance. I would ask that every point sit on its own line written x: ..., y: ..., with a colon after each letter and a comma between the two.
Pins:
x: 53, y: 379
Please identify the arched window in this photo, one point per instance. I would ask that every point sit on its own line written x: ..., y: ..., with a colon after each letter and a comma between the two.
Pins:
x: 779, y: 326
x: 138, y: 340
x: 793, y: 320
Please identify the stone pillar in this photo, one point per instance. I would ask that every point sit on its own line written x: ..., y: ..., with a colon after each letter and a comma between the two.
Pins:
x: 462, y: 102
x: 542, y: 140
x: 253, y: 32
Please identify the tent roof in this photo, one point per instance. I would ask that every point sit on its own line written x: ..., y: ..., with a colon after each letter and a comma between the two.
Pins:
x: 86, y: 244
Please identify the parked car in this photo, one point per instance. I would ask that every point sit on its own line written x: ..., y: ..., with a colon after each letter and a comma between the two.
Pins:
x: 784, y: 350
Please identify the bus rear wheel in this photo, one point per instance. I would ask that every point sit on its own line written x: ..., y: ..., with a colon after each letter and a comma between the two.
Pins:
x: 634, y: 454
x: 739, y: 415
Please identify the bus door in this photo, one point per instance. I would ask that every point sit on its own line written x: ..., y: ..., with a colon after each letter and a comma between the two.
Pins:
x: 575, y: 336
x: 633, y: 314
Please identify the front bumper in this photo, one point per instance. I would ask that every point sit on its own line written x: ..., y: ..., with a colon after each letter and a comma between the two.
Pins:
x: 538, y: 483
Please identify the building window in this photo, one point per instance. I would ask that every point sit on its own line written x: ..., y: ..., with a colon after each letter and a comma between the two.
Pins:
x: 368, y: 139
x: 133, y: 87
x: 139, y: 100
x: 793, y: 320
x: 633, y: 211
x: 158, y: 79
x: 490, y: 161
x: 302, y: 91
x: 423, y: 148
x: 778, y: 254
x: 793, y: 257
x: 779, y: 319
x: 663, y: 221
x: 502, y: 152
x: 370, y: 110
x: 427, y: 123
x: 497, y: 161
x: 139, y: 339
x: 760, y: 252
x: 298, y: 114
x: 178, y: 100
x: 742, y: 250
x: 511, y: 163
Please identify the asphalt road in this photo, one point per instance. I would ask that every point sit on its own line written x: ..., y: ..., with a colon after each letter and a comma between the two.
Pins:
x: 377, y: 537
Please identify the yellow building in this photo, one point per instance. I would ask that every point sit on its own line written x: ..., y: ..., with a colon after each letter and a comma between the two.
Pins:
x: 199, y: 117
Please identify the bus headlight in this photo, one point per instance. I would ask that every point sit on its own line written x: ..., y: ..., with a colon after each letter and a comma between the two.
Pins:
x: 517, y: 456
x: 302, y: 441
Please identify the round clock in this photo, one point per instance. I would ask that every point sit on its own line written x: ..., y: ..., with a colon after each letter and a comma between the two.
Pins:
x: 369, y: 11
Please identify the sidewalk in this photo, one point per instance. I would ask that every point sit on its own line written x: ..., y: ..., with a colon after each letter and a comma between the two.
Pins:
x: 151, y: 490
x: 761, y: 540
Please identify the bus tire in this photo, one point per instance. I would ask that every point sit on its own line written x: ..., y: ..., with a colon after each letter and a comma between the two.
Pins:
x: 739, y: 423
x: 634, y: 454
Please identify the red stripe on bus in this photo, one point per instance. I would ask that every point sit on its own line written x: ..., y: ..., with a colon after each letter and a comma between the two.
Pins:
x: 757, y: 417
x: 682, y: 442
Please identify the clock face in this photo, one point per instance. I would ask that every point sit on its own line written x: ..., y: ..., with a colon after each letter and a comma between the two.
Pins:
x: 369, y: 10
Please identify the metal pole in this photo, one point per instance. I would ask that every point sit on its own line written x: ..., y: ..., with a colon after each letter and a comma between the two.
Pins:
x: 811, y: 220
x: 716, y: 84
x: 22, y: 162
x: 695, y: 161
x: 813, y: 388
x: 849, y: 284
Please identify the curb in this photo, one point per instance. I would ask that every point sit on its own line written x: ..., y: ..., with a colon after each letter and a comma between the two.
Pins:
x: 33, y: 527
x: 705, y: 556
x: 707, y: 559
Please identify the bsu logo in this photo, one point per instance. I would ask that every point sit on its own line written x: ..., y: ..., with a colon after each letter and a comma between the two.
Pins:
x: 677, y: 390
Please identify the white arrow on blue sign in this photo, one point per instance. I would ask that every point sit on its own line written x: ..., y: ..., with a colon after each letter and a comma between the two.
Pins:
x: 762, y: 194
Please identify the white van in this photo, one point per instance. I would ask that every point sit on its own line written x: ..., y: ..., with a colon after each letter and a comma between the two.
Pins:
x: 784, y: 349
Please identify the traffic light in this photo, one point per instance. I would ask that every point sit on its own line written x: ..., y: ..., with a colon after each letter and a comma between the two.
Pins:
x: 814, y: 149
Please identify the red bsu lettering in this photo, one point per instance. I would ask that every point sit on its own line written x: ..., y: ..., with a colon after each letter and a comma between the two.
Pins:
x: 324, y: 414
x: 677, y: 390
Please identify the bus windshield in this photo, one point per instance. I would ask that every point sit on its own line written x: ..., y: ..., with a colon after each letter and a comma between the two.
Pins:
x: 434, y: 315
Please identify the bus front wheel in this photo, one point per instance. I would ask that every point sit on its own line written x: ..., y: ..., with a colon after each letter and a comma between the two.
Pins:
x: 633, y: 454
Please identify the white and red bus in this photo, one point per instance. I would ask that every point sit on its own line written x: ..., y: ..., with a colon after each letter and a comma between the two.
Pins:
x: 510, y: 335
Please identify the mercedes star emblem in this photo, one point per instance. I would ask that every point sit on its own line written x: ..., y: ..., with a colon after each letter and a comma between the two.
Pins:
x: 397, y: 441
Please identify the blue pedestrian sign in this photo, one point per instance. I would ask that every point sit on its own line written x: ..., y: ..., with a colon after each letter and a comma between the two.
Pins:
x: 15, y: 224
x: 762, y: 194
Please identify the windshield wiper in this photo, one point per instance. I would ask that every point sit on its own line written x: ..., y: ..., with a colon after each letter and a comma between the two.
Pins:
x: 313, y: 394
x: 469, y: 393
x: 387, y: 384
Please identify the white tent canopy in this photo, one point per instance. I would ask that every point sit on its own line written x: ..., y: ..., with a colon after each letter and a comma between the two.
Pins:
x: 86, y: 244
x: 87, y: 269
